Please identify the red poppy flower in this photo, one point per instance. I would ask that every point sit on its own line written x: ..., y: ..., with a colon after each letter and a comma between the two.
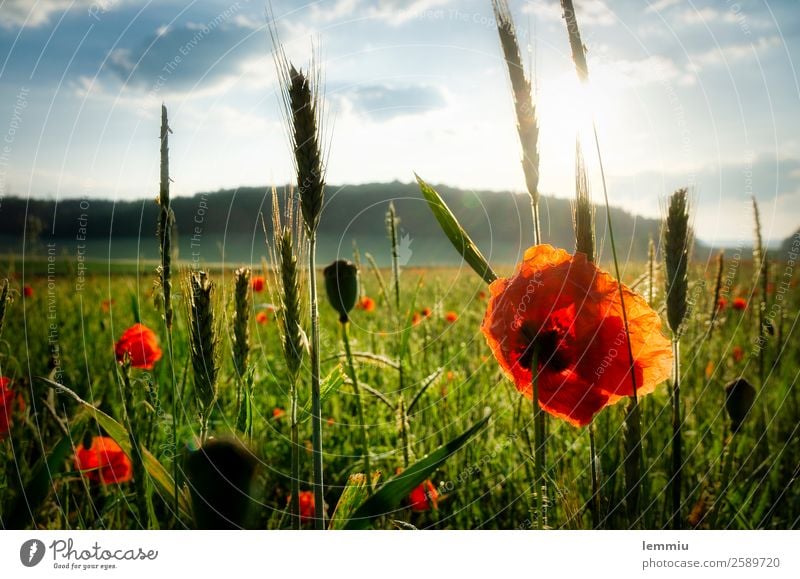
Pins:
x: 451, y: 317
x: 262, y: 317
x: 258, y: 283
x: 306, y: 506
x: 426, y: 312
x: 106, y: 304
x: 103, y: 461
x: 27, y: 291
x: 424, y: 497
x: 7, y: 405
x: 416, y: 319
x: 141, y: 344
x: 722, y: 303
x: 482, y: 295
x: 738, y: 353
x: 367, y: 304
x: 739, y: 304
x: 278, y: 413
x: 571, y: 311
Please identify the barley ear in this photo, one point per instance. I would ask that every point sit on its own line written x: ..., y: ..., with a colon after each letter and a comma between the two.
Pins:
x: 166, y: 221
x: 241, y: 317
x: 203, y: 342
x: 583, y: 209
x: 524, y: 107
x: 677, y: 246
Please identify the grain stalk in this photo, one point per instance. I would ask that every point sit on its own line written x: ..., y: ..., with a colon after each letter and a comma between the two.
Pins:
x: 651, y: 271
x: 583, y: 222
x: 632, y: 426
x: 528, y: 131
x: 203, y: 342
x: 524, y: 107
x: 166, y: 226
x: 677, y: 246
x: 241, y: 349
x: 761, y: 278
x: 391, y: 229
x: 286, y: 252
x: 303, y: 110
x: 3, y: 304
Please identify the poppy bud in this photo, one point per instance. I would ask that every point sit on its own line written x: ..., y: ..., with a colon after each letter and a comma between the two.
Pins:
x: 739, y: 398
x: 341, y: 284
x: 220, y: 474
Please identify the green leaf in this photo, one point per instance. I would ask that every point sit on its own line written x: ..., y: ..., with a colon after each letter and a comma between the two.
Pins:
x: 397, y: 488
x: 330, y: 385
x: 161, y: 478
x: 354, y: 493
x: 455, y: 233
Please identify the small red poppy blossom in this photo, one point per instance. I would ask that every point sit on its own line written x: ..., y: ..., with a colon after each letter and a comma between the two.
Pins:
x: 482, y: 295
x: 141, y: 344
x: 722, y: 303
x: 306, y: 506
x: 27, y: 291
x: 739, y: 304
x: 570, y: 312
x: 738, y: 353
x: 262, y: 317
x: 366, y: 304
x: 7, y: 397
x: 106, y: 304
x: 426, y: 312
x: 257, y: 283
x: 278, y: 413
x: 424, y: 497
x: 104, y: 461
x: 451, y: 317
x: 416, y: 319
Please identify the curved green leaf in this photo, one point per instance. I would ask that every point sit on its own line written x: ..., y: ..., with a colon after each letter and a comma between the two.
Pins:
x: 455, y: 233
x: 397, y: 488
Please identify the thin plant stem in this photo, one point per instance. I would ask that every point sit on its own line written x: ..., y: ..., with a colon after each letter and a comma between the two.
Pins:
x: 295, y: 439
x: 540, y: 457
x: 677, y: 448
x: 316, y: 402
x: 595, y: 502
x: 359, y: 409
x: 727, y: 462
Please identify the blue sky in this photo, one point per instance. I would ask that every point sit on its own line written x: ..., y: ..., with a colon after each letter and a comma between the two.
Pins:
x: 702, y: 93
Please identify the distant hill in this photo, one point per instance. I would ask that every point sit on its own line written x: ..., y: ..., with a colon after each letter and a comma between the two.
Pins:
x: 225, y: 225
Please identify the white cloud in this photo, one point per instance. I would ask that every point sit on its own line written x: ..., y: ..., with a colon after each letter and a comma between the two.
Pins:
x: 27, y: 14
x: 733, y: 53
x: 394, y: 12
x: 590, y: 12
x: 660, y: 5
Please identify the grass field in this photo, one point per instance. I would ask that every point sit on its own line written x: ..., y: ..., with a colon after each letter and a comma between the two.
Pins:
x: 69, y: 337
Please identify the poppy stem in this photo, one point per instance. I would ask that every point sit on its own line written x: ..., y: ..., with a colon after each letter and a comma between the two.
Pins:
x: 139, y: 472
x: 539, y: 467
x: 359, y: 409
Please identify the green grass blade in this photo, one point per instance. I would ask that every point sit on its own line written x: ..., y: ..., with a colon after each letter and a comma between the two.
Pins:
x: 455, y: 233
x: 390, y: 495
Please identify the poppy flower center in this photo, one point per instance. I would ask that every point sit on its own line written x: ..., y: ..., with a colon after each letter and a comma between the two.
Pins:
x: 550, y: 347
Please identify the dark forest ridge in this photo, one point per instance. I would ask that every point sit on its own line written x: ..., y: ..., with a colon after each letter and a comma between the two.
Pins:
x: 499, y: 222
